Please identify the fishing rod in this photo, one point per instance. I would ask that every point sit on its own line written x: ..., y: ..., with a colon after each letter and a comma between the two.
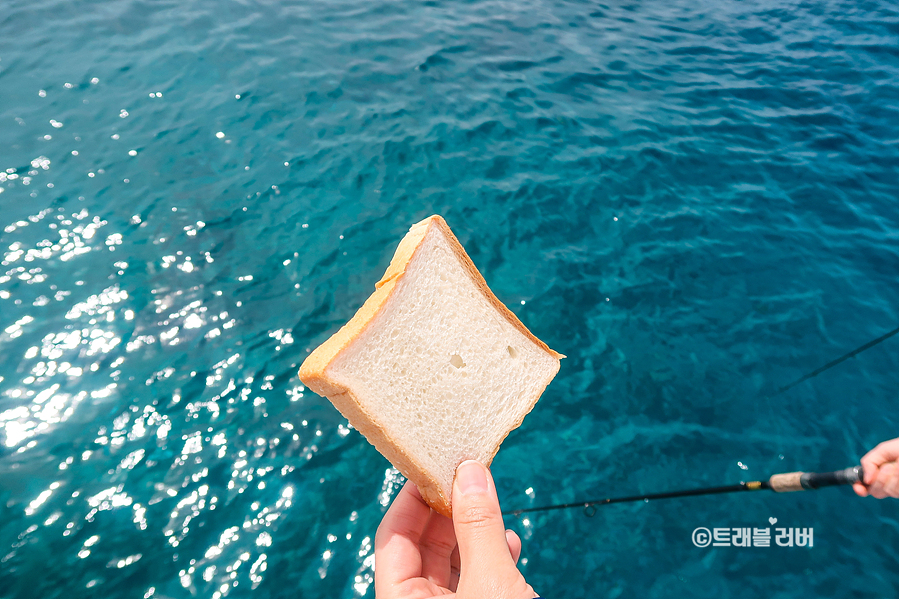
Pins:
x: 779, y: 483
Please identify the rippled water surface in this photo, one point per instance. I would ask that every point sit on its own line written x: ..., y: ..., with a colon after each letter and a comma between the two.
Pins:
x: 695, y: 201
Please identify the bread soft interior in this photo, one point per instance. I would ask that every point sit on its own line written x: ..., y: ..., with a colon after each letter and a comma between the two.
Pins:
x: 439, y: 369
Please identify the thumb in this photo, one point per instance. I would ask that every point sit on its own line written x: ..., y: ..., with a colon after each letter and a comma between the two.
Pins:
x: 479, y: 522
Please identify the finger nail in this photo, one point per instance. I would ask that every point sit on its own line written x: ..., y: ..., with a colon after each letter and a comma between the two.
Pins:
x: 471, y: 478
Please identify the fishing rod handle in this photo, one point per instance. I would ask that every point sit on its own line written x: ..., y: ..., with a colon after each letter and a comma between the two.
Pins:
x: 804, y: 481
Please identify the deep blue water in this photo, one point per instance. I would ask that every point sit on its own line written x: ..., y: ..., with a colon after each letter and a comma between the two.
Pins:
x: 696, y: 201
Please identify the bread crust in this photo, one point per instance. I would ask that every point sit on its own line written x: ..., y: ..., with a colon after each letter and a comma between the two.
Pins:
x: 313, y: 371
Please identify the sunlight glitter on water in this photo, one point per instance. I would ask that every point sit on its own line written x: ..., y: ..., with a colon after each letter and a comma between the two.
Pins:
x: 63, y: 356
x: 90, y: 336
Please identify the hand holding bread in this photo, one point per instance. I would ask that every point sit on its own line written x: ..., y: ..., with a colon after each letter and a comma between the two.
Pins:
x: 420, y: 553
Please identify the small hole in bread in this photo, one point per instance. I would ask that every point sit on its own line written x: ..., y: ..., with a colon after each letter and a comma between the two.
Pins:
x: 456, y: 360
x: 513, y: 353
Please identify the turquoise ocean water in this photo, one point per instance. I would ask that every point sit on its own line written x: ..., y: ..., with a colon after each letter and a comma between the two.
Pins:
x: 697, y: 202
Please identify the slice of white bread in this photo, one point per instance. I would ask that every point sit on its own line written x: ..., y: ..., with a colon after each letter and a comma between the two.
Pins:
x: 433, y: 369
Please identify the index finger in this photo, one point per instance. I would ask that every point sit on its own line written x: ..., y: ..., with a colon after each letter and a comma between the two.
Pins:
x: 397, y: 554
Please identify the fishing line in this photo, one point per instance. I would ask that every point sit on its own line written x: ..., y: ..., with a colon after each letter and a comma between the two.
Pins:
x: 833, y: 363
x: 779, y: 483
